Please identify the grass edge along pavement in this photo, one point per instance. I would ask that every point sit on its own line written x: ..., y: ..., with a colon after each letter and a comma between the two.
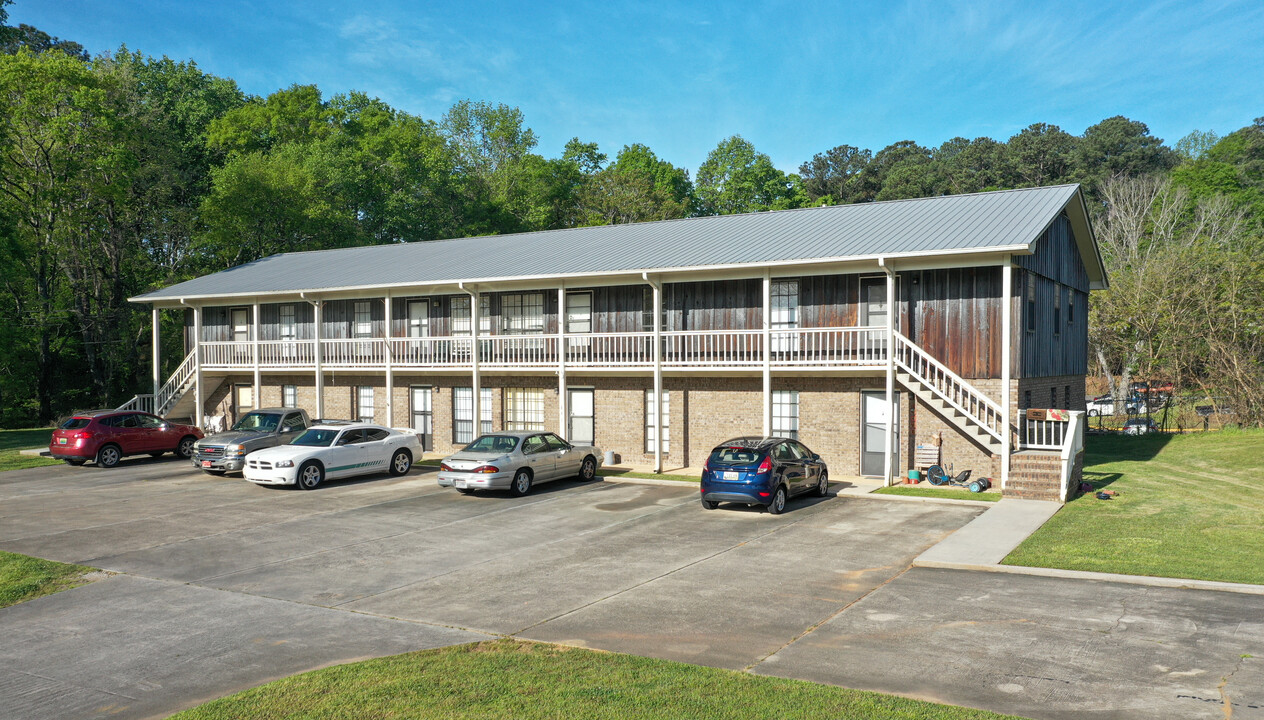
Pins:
x: 526, y: 680
x: 25, y: 578
x: 13, y: 441
x: 1188, y: 506
x: 950, y: 493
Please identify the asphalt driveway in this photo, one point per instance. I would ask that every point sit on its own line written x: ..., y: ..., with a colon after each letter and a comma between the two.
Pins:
x: 223, y: 585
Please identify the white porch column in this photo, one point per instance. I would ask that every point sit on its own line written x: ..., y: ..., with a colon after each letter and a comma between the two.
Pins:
x: 888, y: 437
x: 197, y: 366
x: 390, y: 371
x: 156, y: 349
x: 475, y: 377
x: 319, y: 356
x: 1007, y: 339
x: 563, y: 419
x: 767, y: 340
x: 255, y: 349
x: 657, y: 347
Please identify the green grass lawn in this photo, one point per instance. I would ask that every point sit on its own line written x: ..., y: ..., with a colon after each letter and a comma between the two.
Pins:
x: 1189, y: 506
x: 616, y: 473
x: 24, y: 578
x: 11, y: 441
x: 510, y: 679
x: 926, y: 490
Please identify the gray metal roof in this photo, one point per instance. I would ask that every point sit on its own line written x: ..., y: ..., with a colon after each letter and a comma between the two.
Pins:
x: 919, y: 227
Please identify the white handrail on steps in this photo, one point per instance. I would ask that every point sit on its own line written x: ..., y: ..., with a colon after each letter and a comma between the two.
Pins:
x: 171, y: 391
x: 950, y: 387
x: 1072, y: 445
x: 143, y: 402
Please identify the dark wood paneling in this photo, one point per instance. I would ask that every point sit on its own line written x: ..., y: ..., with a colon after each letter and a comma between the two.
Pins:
x: 270, y: 320
x: 1051, y: 349
x: 715, y: 305
x: 829, y: 301
x: 955, y: 315
x: 337, y: 317
x: 1057, y: 257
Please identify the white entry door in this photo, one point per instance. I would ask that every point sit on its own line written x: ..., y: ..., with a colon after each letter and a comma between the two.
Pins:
x: 580, y: 430
x: 873, y: 427
x: 422, y: 415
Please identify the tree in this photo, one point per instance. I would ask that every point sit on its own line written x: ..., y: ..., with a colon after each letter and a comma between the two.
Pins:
x: 294, y: 115
x: 37, y: 41
x: 1041, y: 155
x: 1119, y: 147
x: 831, y: 176
x: 735, y: 178
x: 1195, y: 145
x: 968, y: 166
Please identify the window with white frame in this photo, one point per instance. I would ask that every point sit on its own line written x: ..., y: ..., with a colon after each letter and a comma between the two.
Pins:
x: 784, y: 313
x: 289, y: 396
x: 363, y: 323
x: 485, y: 408
x: 785, y: 413
x: 288, y: 323
x: 524, y: 409
x: 463, y: 415
x: 364, y: 403
x: 650, y: 409
x: 461, y: 315
x: 522, y: 313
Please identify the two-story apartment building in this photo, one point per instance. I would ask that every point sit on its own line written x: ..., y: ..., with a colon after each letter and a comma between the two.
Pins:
x: 864, y: 330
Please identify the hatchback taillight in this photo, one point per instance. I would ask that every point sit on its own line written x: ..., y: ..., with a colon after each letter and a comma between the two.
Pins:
x: 82, y: 436
x: 765, y: 466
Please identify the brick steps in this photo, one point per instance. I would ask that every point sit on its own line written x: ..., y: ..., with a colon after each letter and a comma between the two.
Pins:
x: 1035, y: 476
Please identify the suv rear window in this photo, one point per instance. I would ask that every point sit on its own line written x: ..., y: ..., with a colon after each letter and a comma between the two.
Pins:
x: 732, y: 455
x: 75, y: 423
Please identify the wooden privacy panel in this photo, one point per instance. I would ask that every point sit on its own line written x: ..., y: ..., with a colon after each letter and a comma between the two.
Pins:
x: 955, y: 316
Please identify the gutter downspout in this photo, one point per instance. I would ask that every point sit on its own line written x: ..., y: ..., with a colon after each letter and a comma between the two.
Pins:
x: 319, y: 355
x: 888, y: 437
x: 658, y: 370
x: 1007, y: 341
x: 475, y: 377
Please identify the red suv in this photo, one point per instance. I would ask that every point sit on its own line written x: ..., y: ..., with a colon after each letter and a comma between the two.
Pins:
x: 107, y: 435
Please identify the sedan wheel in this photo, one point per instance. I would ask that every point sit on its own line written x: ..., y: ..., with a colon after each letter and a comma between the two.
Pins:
x: 401, y: 462
x: 778, y: 501
x: 521, y: 484
x: 588, y: 470
x: 310, y: 475
x: 822, y: 487
x: 108, y: 456
x: 185, y: 449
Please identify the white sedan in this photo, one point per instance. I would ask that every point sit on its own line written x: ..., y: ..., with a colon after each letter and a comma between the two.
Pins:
x: 331, y: 451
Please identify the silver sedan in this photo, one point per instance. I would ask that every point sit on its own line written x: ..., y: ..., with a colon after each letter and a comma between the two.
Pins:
x: 517, y: 461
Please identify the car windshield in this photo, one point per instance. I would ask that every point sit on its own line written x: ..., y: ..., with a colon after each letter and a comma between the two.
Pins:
x: 260, y: 422
x: 493, y: 443
x: 733, y: 455
x: 316, y: 437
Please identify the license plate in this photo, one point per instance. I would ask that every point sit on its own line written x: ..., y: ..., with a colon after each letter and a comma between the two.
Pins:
x: 730, y: 475
x: 459, y: 484
x: 61, y: 441
x: 206, y: 463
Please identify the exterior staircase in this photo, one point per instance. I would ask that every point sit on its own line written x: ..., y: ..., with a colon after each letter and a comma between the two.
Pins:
x: 964, y: 406
x: 174, y: 399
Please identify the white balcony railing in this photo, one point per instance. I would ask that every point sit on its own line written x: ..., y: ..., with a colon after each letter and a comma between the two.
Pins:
x: 854, y: 346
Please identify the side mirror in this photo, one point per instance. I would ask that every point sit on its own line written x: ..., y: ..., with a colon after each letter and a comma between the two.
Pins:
x: 815, y: 456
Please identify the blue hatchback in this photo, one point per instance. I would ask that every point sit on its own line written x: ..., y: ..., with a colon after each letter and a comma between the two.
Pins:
x: 762, y: 471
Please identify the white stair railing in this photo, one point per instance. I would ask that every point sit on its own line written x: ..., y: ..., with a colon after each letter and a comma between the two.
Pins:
x: 1072, y: 445
x: 175, y: 387
x: 143, y: 403
x: 950, y: 387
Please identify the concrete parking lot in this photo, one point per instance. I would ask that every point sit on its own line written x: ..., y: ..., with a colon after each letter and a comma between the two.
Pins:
x: 222, y: 585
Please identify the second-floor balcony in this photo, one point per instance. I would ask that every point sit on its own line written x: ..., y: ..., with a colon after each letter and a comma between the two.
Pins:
x: 820, y: 347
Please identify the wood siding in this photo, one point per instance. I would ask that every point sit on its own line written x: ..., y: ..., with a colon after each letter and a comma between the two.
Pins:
x: 955, y: 315
x: 1057, y: 257
x: 1051, y: 349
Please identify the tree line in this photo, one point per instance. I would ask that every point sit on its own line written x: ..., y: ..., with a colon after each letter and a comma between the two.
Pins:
x: 121, y: 172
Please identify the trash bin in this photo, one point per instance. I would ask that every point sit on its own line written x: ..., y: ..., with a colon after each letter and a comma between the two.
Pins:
x: 609, y: 457
x: 914, y: 477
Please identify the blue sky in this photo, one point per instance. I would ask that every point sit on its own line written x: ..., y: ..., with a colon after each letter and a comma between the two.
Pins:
x: 794, y: 78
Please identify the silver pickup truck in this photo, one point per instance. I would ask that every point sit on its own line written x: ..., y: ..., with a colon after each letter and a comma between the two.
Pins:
x: 226, y: 451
